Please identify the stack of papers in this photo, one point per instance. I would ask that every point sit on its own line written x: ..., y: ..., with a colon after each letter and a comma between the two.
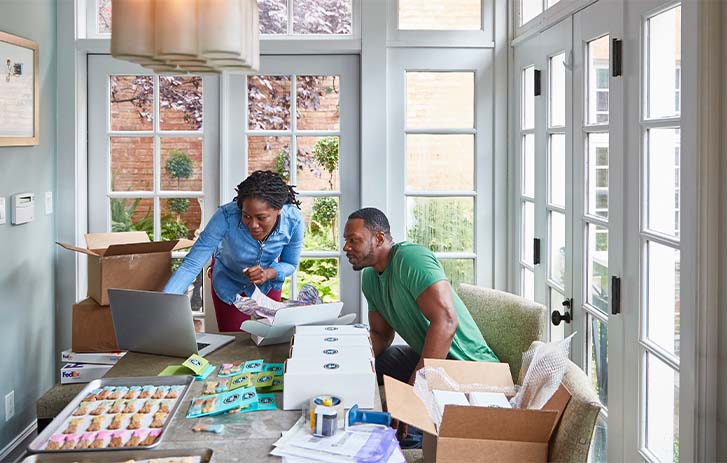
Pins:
x: 361, y: 443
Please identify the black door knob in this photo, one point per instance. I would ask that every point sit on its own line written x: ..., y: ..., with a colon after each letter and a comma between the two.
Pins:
x: 556, y: 317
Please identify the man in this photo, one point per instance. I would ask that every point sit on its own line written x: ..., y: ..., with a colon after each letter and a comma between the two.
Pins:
x: 409, y: 294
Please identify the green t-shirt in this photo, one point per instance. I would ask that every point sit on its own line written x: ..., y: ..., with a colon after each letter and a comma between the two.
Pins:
x: 411, y: 270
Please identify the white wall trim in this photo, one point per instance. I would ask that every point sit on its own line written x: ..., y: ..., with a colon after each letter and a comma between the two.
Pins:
x: 702, y: 92
x: 15, y: 444
x: 546, y: 19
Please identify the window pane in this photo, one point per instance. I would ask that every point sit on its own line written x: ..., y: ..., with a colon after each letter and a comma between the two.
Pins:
x: 552, y: 2
x: 598, y: 61
x: 530, y: 9
x: 427, y: 156
x: 598, y: 174
x: 132, y: 102
x: 180, y: 103
x: 598, y: 355
x: 557, y: 91
x: 321, y: 223
x: 528, y: 98
x: 528, y: 284
x: 181, y: 162
x: 329, y: 17
x: 317, y: 161
x: 440, y: 100
x: 180, y: 218
x: 664, y: 300
x: 268, y: 102
x: 132, y: 163
x: 321, y: 273
x: 317, y: 100
x: 599, y: 444
x: 597, y: 262
x: 664, y: 61
x: 459, y: 271
x: 440, y: 15
x: 557, y: 248
x: 269, y: 153
x: 528, y: 231
x: 557, y: 177
x: 441, y: 224
x: 273, y: 16
x: 662, y: 409
x: 132, y: 214
x: 663, y: 180
x: 556, y: 305
x: 103, y: 16
x: 528, y: 165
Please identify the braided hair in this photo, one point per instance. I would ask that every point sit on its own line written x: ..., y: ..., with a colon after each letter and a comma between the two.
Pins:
x: 267, y: 186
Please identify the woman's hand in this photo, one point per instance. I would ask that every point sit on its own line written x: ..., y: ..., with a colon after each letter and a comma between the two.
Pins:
x: 258, y: 275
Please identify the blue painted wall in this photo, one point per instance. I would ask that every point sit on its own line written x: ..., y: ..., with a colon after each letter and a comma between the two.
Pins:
x: 27, y: 252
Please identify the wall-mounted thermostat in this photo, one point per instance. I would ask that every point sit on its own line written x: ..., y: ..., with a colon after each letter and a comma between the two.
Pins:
x: 22, y: 207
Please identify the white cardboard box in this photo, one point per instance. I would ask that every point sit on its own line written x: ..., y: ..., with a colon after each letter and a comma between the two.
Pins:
x: 330, y: 341
x: 82, y: 372
x: 352, y: 380
x: 301, y: 350
x: 359, y: 329
x: 104, y: 358
x: 282, y: 327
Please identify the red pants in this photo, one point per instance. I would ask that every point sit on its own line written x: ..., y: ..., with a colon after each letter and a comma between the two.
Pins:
x: 229, y: 318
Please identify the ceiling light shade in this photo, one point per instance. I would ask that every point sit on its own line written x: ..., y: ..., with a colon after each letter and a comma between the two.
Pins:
x: 220, y: 24
x: 187, y: 36
x: 175, y: 28
x: 132, y: 23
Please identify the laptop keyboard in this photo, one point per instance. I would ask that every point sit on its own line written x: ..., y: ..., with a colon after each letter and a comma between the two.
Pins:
x: 201, y: 345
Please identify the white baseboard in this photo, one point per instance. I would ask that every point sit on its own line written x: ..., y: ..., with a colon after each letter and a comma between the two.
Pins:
x: 19, y: 439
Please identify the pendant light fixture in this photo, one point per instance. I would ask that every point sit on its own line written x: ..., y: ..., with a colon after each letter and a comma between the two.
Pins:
x: 187, y: 36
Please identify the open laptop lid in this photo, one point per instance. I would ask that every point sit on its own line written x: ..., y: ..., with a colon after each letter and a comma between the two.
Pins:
x: 157, y: 323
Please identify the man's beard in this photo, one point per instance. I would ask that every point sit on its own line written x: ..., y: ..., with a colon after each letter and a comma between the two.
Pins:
x: 367, y: 258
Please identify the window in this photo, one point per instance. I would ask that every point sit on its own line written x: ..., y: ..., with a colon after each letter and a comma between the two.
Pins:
x: 440, y: 15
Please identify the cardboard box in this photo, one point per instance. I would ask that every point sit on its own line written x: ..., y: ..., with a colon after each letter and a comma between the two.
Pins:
x: 279, y: 331
x: 92, y: 328
x: 466, y: 433
x: 103, y: 358
x: 352, y: 380
x: 126, y: 260
x: 316, y: 346
x: 82, y: 372
x: 359, y: 329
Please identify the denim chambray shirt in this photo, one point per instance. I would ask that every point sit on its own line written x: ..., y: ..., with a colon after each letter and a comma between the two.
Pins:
x: 234, y: 249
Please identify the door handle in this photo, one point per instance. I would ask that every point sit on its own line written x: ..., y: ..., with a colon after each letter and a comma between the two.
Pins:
x: 556, y: 317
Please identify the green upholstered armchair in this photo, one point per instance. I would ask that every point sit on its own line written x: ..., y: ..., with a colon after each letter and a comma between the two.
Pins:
x: 509, y: 323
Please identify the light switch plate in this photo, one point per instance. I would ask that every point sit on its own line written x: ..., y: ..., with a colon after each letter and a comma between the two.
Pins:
x: 48, y: 202
x: 3, y: 211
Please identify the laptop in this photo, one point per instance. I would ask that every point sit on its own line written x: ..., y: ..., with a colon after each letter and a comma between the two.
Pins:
x: 159, y: 323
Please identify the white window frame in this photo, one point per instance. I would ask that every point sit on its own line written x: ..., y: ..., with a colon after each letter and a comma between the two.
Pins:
x: 484, y: 37
x: 461, y: 60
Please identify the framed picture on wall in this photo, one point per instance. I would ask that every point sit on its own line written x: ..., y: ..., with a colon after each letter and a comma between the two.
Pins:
x: 19, y: 91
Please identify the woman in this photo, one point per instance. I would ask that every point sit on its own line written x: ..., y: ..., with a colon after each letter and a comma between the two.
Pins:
x: 256, y: 240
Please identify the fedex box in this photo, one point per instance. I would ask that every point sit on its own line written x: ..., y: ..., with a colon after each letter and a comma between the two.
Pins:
x: 82, y: 372
x: 92, y: 328
x: 352, y: 380
x: 466, y: 433
x: 126, y: 260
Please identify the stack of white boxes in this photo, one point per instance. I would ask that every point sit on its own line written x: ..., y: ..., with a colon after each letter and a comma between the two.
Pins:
x: 335, y: 360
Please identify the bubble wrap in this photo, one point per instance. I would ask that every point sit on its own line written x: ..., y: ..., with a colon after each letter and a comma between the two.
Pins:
x: 546, y: 366
x: 429, y: 379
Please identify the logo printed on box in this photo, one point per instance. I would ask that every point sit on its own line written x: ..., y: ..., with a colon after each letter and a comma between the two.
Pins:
x: 70, y: 374
x: 232, y: 398
x: 359, y: 325
x: 266, y: 400
x: 331, y: 366
x: 248, y: 395
x: 330, y: 351
x: 331, y: 339
x: 331, y: 328
x: 241, y: 379
x: 263, y: 379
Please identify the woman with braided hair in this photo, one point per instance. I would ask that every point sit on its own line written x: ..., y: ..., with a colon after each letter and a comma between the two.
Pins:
x: 255, y: 240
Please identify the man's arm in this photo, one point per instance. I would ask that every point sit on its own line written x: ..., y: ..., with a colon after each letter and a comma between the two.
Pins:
x: 437, y: 305
x: 382, y: 334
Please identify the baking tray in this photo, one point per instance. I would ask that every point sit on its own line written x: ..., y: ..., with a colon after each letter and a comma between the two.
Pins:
x: 205, y: 456
x: 39, y: 443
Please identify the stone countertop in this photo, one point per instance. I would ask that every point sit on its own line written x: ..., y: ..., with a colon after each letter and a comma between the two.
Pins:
x: 247, y: 436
